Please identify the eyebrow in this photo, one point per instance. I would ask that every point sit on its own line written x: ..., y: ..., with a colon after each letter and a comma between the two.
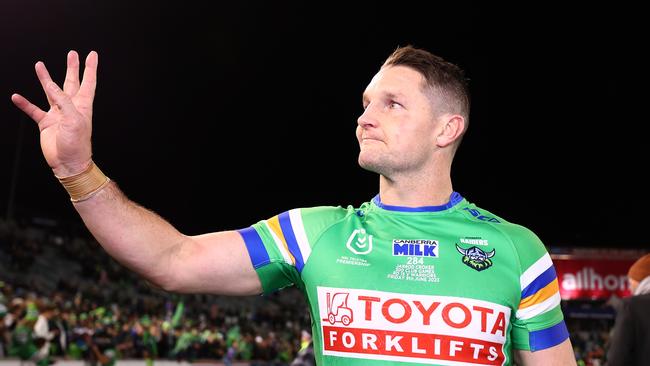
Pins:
x: 389, y: 95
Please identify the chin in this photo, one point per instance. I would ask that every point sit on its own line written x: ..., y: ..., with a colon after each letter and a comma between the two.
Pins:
x: 370, y: 165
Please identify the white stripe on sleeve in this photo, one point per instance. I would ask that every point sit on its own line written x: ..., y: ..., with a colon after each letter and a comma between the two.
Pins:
x: 299, y: 232
x: 538, y: 309
x: 535, y: 270
x: 279, y: 244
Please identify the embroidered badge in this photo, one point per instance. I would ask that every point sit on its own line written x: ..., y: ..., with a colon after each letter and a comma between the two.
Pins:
x: 476, y: 258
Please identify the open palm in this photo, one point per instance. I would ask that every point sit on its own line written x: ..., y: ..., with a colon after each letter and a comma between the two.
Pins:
x: 66, y: 127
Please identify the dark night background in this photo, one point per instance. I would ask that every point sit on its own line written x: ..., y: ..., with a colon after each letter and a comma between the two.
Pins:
x: 216, y: 116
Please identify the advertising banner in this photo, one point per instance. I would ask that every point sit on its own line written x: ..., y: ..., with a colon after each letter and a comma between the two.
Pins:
x: 592, y: 278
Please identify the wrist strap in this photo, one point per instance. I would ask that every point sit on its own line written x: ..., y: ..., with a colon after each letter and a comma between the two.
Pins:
x: 86, y: 184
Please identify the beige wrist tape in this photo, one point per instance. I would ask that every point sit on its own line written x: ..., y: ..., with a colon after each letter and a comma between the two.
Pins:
x: 84, y: 185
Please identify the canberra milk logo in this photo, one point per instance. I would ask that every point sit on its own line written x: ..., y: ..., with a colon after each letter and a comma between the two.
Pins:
x: 415, y: 247
x: 359, y: 242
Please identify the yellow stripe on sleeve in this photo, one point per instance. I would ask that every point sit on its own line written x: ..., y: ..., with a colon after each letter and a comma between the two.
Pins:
x: 544, y: 293
x: 274, y: 224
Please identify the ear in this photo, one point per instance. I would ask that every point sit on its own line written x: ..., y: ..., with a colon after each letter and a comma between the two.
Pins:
x: 452, y: 127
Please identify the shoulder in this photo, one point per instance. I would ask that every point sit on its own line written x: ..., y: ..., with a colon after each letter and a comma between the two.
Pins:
x: 526, y: 247
x: 518, y: 234
x: 633, y: 313
x: 637, y: 303
x: 321, y: 217
x: 316, y: 220
x: 313, y: 218
x: 325, y: 213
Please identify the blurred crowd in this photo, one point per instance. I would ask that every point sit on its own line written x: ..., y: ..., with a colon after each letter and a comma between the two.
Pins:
x: 590, y: 338
x: 61, y: 296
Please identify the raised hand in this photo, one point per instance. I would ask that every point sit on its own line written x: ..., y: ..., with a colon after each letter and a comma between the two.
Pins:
x: 66, y: 127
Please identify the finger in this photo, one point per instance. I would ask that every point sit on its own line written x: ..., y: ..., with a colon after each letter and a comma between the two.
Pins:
x: 89, y: 82
x: 71, y: 84
x: 43, y: 77
x: 26, y: 106
x: 60, y: 99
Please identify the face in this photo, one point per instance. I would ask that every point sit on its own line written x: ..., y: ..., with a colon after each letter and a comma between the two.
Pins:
x: 397, y: 129
x: 633, y: 284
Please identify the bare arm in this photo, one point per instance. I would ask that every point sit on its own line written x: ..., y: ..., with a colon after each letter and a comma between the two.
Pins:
x: 560, y: 355
x: 135, y: 236
x: 146, y: 243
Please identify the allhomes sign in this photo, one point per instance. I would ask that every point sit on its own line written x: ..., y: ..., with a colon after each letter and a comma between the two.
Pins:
x: 592, y: 278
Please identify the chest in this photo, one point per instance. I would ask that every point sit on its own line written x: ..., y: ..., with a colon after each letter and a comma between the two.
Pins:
x: 428, y: 259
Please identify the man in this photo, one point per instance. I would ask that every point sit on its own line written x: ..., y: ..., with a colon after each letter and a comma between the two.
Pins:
x: 417, y: 275
x: 630, y: 341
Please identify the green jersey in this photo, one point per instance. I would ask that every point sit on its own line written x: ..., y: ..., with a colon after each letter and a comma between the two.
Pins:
x: 437, y: 285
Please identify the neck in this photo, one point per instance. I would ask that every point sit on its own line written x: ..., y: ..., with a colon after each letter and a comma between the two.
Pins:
x: 425, y: 188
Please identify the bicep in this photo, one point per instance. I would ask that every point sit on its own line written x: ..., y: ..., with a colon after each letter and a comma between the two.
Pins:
x: 559, y: 355
x: 216, y: 263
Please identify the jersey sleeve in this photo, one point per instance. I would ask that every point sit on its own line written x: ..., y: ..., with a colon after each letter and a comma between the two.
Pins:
x: 539, y: 322
x: 279, y: 247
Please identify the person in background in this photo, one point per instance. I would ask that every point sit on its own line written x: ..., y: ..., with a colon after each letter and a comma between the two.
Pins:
x: 630, y: 341
x: 42, y: 332
x: 305, y: 356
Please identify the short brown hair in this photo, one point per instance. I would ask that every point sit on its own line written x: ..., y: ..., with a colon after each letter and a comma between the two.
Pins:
x: 640, y: 269
x: 445, y: 79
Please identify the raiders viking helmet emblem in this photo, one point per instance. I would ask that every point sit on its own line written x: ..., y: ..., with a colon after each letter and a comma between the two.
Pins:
x: 476, y: 258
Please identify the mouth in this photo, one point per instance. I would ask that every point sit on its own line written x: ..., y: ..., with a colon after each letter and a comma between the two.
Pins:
x: 364, y: 139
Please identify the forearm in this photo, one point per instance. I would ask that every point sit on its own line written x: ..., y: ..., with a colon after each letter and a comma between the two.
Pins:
x: 136, y: 237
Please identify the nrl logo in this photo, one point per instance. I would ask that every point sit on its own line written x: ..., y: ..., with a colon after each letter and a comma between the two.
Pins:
x: 362, y: 244
x: 476, y: 258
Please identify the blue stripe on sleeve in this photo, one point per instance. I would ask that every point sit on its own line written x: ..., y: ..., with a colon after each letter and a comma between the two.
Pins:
x: 549, y: 337
x: 292, y: 243
x: 540, y: 282
x: 255, y: 246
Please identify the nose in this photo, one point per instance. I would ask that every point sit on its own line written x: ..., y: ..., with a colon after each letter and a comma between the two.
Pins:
x: 367, y: 118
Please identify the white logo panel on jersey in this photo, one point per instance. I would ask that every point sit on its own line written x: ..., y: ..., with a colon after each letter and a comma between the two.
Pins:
x: 443, y: 330
x: 359, y: 242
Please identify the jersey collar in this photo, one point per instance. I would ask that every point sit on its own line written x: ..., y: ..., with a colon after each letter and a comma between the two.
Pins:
x: 454, y: 199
